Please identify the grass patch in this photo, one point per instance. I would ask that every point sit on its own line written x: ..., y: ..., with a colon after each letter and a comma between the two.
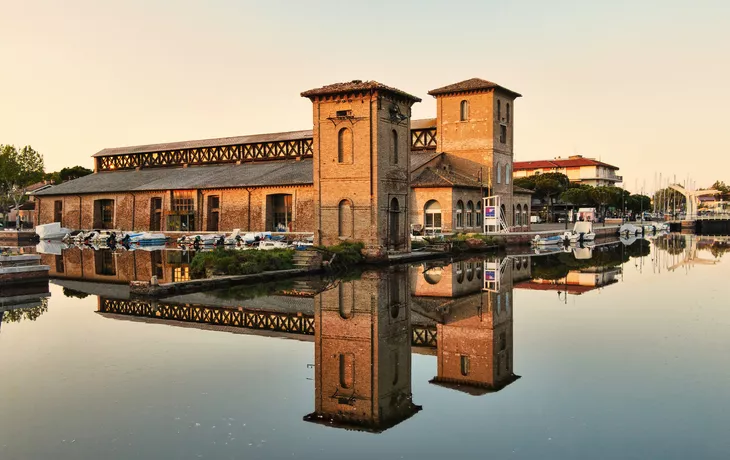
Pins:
x: 231, y: 262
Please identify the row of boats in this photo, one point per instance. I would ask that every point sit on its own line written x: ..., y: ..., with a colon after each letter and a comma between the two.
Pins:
x: 583, y: 233
x: 110, y: 238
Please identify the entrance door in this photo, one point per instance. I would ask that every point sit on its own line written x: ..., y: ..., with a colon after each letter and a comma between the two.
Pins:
x: 156, y: 214
x: 279, y: 213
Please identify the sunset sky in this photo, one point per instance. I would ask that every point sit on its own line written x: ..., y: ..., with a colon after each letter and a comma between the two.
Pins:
x: 643, y: 85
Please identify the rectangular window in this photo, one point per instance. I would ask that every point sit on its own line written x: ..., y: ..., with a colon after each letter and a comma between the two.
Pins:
x: 344, y: 113
x: 59, y: 264
x: 503, y: 134
x: 156, y: 214
x: 104, y: 214
x: 479, y: 218
x: 104, y: 262
x: 182, y: 217
x: 213, y: 213
x: 58, y: 211
x: 459, y: 219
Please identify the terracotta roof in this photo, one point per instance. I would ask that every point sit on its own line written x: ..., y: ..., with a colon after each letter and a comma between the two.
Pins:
x: 217, y: 142
x: 437, y: 177
x: 473, y: 388
x: 421, y: 157
x: 473, y: 84
x: 265, y: 173
x: 576, y: 161
x: 355, y: 86
x: 423, y: 123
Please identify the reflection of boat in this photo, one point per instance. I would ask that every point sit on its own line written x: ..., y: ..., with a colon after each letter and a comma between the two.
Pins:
x: 629, y: 229
x: 144, y: 239
x: 52, y: 232
x: 201, y: 240
x: 548, y: 241
x: 51, y: 247
x: 583, y: 253
x: 627, y: 240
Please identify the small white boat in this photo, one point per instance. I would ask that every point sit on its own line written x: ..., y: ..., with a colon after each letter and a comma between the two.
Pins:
x: 201, y: 240
x: 268, y: 245
x: 582, y: 231
x: 234, y: 238
x: 52, y: 232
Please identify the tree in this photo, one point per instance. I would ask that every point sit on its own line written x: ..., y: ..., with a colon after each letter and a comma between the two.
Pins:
x: 18, y: 170
x: 550, y: 185
x: 577, y: 195
x: 525, y: 182
x: 604, y: 196
x: 67, y: 174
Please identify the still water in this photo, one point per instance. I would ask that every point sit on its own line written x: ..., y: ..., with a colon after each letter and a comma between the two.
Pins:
x: 612, y: 352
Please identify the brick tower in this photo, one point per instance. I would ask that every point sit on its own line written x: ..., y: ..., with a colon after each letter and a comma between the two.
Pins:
x: 362, y: 352
x: 361, y: 147
x: 475, y: 120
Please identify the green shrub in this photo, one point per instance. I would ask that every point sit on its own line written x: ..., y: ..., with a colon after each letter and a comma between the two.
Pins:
x: 345, y: 254
x: 231, y: 262
x: 418, y: 244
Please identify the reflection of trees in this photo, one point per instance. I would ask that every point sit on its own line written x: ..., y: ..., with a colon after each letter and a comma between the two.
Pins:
x: 639, y: 248
x: 68, y: 292
x: 673, y: 244
x: 557, y: 266
x: 30, y: 313
x: 719, y: 248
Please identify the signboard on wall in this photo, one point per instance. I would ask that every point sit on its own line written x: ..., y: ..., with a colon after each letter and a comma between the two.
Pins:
x: 490, y: 212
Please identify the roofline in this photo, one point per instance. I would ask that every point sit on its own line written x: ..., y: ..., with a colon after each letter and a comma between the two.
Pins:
x: 436, y: 92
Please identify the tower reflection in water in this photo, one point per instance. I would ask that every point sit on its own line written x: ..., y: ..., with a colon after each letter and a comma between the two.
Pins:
x: 362, y: 349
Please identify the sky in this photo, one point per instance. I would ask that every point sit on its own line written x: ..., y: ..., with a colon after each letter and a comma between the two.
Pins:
x: 639, y: 84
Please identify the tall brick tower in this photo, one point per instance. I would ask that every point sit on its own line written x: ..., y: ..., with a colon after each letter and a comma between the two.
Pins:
x: 362, y: 352
x: 361, y: 165
x: 475, y: 120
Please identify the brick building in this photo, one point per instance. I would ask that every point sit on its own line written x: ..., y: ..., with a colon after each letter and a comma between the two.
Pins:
x: 365, y: 172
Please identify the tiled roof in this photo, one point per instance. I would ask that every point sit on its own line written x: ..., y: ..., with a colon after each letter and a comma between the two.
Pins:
x: 268, y: 173
x: 516, y: 189
x: 421, y: 157
x: 423, y: 123
x: 357, y: 85
x: 437, y: 177
x: 560, y: 163
x: 217, y: 142
x: 473, y: 84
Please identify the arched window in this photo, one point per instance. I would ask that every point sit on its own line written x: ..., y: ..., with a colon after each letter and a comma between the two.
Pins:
x: 509, y: 115
x: 460, y: 272
x: 432, y: 217
x: 514, y: 216
x: 499, y: 110
x: 346, y: 300
x: 344, y: 146
x: 518, y: 214
x: 479, y: 216
x: 469, y: 271
x: 507, y: 173
x: 464, y: 361
x: 464, y: 110
x: 347, y: 370
x: 525, y: 220
x: 459, y: 214
x: 432, y: 275
x: 345, y: 218
x: 499, y: 173
x: 469, y: 214
x: 394, y: 139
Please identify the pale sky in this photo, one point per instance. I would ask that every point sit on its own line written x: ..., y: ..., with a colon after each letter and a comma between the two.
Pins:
x: 642, y: 84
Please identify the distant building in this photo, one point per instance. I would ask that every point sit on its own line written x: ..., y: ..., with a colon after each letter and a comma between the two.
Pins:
x: 579, y: 169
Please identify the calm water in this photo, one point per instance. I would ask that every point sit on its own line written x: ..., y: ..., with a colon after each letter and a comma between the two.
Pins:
x: 615, y: 352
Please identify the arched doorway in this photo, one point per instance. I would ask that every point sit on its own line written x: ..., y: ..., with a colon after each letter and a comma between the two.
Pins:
x: 395, y: 240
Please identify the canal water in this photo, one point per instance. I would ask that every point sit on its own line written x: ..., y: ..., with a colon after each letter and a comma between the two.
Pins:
x: 610, y: 352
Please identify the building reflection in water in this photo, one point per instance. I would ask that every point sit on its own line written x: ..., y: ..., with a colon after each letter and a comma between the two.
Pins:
x: 362, y: 353
x: 471, y: 304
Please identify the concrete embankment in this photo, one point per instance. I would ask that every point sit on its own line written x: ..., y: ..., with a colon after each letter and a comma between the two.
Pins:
x: 524, y: 238
x: 151, y: 289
